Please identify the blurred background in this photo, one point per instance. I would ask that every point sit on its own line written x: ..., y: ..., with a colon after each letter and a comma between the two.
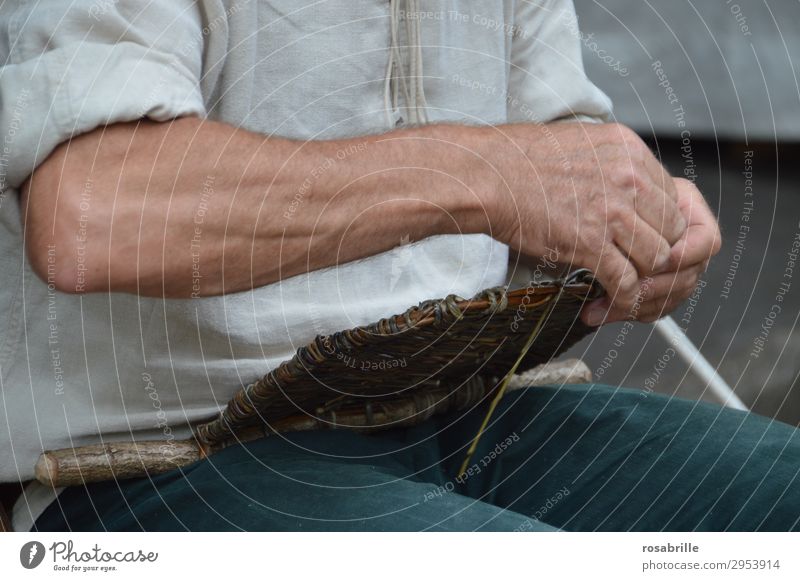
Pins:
x: 712, y: 85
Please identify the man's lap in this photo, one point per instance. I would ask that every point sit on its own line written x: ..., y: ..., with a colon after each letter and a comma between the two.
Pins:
x: 630, y: 460
x: 575, y: 457
x: 313, y: 481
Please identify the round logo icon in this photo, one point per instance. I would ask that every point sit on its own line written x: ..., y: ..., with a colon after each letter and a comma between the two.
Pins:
x: 31, y: 554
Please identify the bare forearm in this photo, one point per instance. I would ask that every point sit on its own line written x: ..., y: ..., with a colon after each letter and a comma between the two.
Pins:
x: 199, y: 208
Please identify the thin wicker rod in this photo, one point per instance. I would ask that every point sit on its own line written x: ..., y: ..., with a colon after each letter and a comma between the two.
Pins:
x: 504, y: 384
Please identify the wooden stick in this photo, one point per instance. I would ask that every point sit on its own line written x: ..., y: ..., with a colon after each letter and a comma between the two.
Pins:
x: 117, y: 460
x: 120, y: 460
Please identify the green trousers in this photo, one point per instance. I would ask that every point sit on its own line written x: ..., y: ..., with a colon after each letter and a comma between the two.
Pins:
x: 579, y: 458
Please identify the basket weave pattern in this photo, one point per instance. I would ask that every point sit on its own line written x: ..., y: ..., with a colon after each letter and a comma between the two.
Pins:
x: 448, y: 349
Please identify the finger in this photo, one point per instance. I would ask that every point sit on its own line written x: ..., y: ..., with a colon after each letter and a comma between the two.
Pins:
x: 702, y: 239
x: 644, y: 246
x: 654, y: 310
x: 645, y: 312
x: 619, y: 278
x: 680, y: 283
x: 662, y: 178
x: 669, y: 289
x: 636, y: 186
x: 661, y: 213
x: 639, y: 154
x: 595, y: 312
x: 659, y: 198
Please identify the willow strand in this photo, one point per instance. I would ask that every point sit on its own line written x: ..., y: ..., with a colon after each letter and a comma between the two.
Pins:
x: 553, y: 299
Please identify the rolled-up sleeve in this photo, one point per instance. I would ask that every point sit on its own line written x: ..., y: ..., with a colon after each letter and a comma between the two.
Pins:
x: 547, y: 80
x: 71, y: 66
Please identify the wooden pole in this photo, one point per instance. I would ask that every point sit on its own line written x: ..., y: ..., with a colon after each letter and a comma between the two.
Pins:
x: 120, y: 460
x: 117, y: 460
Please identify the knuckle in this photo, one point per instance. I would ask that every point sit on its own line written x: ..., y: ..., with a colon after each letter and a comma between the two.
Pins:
x: 623, y: 175
x: 628, y: 296
x: 617, y: 210
x: 645, y: 287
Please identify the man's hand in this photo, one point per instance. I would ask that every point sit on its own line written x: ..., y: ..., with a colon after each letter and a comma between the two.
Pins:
x: 689, y: 256
x: 597, y: 196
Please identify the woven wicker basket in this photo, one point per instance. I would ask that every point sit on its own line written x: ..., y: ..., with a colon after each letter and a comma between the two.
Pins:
x: 440, y: 355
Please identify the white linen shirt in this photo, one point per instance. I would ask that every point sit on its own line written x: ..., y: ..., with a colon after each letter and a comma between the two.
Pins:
x: 78, y: 370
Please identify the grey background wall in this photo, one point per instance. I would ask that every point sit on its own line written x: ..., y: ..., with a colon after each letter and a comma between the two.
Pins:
x: 733, y: 65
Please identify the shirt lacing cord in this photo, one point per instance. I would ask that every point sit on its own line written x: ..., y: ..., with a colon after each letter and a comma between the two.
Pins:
x: 397, y: 78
